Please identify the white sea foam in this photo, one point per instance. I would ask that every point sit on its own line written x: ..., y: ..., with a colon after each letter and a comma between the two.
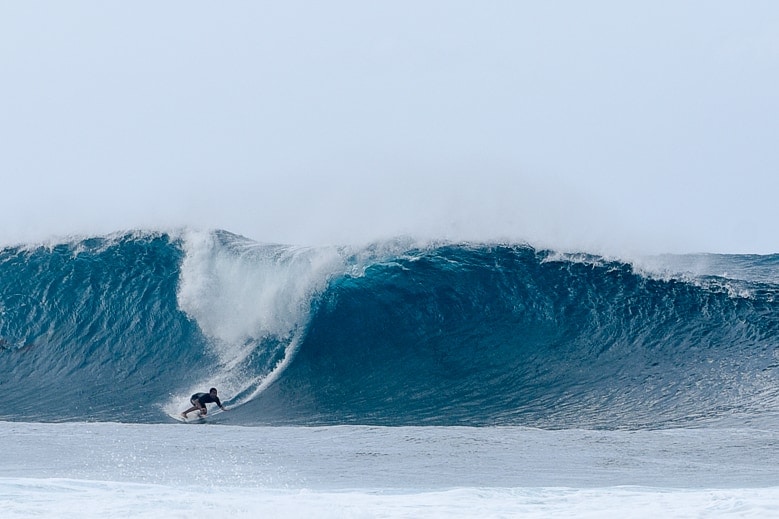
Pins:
x: 24, y: 498
x: 102, y: 470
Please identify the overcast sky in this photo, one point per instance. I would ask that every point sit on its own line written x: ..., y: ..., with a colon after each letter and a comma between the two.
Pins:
x: 606, y: 126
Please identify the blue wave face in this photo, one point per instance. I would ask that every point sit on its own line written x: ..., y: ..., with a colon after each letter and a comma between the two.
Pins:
x: 91, y: 330
x: 485, y: 335
x: 125, y: 328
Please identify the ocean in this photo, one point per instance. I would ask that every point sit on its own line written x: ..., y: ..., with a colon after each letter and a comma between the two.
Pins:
x: 395, y: 379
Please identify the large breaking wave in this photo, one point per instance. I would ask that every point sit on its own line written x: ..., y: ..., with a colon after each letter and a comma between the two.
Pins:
x: 125, y: 327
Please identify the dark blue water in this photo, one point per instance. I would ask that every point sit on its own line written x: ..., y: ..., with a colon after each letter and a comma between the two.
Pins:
x: 125, y: 327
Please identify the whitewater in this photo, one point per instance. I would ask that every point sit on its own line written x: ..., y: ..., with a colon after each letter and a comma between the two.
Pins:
x: 397, y: 379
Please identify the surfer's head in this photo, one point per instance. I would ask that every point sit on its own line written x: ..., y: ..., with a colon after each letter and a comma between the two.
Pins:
x: 212, y: 390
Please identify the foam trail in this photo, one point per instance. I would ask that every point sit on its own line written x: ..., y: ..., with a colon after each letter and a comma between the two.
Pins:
x: 252, y: 301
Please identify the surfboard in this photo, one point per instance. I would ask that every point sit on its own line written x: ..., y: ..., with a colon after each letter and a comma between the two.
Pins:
x: 192, y: 418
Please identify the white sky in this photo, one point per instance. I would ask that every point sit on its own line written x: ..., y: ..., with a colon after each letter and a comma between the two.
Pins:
x: 606, y: 126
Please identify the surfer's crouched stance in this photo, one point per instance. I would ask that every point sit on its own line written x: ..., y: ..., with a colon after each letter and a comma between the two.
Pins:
x: 199, y: 401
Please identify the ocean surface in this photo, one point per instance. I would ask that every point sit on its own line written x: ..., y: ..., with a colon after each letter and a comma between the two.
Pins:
x: 396, y: 379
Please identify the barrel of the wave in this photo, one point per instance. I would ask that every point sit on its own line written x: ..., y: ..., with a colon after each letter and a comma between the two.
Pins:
x: 484, y: 335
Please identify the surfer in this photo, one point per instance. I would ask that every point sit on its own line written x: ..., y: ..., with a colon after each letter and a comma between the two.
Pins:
x: 199, y: 401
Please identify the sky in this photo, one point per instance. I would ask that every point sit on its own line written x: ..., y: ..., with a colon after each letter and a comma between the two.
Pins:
x: 615, y: 126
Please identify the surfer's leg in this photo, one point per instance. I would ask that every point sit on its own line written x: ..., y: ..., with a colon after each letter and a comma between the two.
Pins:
x: 194, y: 407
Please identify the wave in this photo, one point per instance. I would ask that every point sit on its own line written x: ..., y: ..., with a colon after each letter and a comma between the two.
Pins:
x: 126, y: 327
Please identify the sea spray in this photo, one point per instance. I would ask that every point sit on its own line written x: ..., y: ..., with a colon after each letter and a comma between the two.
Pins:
x: 252, y: 301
